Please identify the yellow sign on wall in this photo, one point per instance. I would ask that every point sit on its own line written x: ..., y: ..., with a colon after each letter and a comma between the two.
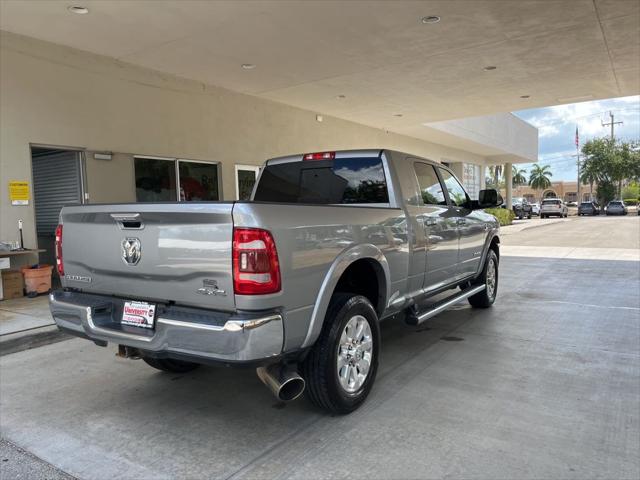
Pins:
x: 19, y: 192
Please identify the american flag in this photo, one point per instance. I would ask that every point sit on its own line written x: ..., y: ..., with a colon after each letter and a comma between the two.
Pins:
x: 577, y: 138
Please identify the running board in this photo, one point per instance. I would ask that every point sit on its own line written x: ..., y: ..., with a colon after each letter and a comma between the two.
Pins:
x: 442, y: 305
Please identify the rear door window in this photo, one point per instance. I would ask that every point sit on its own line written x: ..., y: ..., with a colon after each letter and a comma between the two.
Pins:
x: 431, y: 189
x: 337, y: 181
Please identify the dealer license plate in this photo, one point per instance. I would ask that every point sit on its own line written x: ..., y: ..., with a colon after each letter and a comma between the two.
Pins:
x: 139, y: 314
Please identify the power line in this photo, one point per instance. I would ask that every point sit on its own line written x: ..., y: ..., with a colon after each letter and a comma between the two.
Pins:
x: 572, y: 119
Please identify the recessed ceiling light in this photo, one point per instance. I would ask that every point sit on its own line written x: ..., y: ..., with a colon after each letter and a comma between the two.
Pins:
x: 489, y: 68
x: 430, y: 19
x: 78, y: 9
x: 341, y: 97
x: 248, y: 66
x: 525, y: 96
x: 397, y: 114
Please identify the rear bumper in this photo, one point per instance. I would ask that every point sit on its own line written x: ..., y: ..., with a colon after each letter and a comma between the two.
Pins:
x: 179, y: 331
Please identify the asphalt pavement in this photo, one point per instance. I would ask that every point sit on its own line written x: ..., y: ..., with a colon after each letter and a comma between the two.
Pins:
x: 545, y: 384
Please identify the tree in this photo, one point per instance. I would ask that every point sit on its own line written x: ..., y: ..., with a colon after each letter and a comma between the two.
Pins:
x: 518, y: 176
x: 495, y: 171
x: 610, y: 161
x: 605, y: 192
x: 540, y: 177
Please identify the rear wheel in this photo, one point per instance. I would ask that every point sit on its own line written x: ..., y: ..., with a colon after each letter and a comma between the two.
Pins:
x: 341, y: 367
x: 488, y: 277
x: 170, y: 365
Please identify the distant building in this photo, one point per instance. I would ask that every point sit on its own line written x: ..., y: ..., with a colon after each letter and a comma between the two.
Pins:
x: 568, y: 191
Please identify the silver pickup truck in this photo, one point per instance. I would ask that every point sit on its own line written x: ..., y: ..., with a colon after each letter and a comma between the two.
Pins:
x: 293, y: 282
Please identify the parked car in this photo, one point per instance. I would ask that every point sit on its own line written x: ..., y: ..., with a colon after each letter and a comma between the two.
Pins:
x: 616, y: 207
x: 535, y: 209
x: 293, y: 282
x: 572, y: 204
x: 521, y: 207
x: 553, y: 207
x: 587, y: 208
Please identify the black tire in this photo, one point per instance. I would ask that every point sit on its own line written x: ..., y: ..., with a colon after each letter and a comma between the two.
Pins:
x: 485, y: 298
x: 542, y: 216
x: 529, y: 217
x: 170, y: 365
x: 319, y: 368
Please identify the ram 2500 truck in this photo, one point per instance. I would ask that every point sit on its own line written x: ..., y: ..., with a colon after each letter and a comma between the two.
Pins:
x: 293, y: 282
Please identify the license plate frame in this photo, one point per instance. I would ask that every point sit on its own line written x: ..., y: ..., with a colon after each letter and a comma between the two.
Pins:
x: 138, y: 314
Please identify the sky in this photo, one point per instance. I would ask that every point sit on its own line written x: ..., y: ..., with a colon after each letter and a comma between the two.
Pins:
x: 557, y: 129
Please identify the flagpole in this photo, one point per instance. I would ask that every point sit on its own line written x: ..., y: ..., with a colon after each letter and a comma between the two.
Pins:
x: 579, y: 199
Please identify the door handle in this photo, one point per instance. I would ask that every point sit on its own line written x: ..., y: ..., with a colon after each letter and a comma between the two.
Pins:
x: 430, y: 222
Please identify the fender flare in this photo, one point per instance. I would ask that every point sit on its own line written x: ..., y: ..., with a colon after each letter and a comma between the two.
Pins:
x: 494, y: 234
x: 338, y: 267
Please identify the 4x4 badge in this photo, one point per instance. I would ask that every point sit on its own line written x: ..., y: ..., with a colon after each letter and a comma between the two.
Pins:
x: 131, y: 250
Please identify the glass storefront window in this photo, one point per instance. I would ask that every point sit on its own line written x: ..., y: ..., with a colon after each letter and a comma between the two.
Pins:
x: 155, y: 180
x: 198, y: 181
x: 246, y: 176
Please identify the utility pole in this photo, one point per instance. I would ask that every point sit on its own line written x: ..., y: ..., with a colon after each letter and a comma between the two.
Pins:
x: 611, y: 123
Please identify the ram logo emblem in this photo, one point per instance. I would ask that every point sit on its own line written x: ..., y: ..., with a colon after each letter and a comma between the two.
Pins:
x: 131, y: 250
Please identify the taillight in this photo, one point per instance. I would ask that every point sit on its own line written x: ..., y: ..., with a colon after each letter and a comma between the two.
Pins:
x: 59, y: 263
x: 320, y: 156
x: 255, y: 262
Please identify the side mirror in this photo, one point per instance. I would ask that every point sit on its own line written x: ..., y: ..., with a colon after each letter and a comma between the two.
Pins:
x: 489, y: 198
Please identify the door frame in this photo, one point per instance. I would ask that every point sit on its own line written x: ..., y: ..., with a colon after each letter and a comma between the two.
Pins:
x: 240, y: 166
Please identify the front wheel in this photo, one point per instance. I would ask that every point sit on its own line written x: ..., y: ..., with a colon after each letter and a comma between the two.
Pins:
x: 341, y: 367
x: 488, y: 277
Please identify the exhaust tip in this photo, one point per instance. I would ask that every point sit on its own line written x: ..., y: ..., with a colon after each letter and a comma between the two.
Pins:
x: 284, y: 382
x: 291, y: 389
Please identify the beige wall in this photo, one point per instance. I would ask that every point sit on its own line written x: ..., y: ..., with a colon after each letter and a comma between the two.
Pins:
x: 110, y: 181
x: 54, y: 95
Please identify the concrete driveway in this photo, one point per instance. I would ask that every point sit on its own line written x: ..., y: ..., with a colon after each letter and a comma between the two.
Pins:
x: 546, y: 384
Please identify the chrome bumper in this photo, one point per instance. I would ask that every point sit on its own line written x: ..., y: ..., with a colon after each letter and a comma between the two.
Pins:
x: 232, y: 338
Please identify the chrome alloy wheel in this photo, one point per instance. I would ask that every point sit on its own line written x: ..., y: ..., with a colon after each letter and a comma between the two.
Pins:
x: 491, y: 279
x: 355, y: 353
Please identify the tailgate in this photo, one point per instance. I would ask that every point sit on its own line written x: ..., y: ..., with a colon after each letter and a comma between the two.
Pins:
x: 178, y: 252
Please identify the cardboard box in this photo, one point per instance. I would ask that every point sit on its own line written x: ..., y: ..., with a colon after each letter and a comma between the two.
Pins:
x: 12, y: 284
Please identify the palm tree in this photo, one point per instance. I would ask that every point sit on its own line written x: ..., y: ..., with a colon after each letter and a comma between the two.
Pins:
x: 540, y: 177
x: 588, y: 174
x: 518, y: 176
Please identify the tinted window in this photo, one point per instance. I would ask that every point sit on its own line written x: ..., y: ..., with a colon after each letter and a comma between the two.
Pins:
x: 246, y: 180
x: 457, y: 195
x: 155, y: 180
x: 344, y: 180
x: 198, y: 181
x: 551, y: 202
x: 430, y: 187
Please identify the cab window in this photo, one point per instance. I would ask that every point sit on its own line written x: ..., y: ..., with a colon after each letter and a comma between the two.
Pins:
x: 457, y: 194
x: 430, y: 187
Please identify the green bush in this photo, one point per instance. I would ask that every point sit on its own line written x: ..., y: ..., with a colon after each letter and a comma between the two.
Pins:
x: 504, y: 216
x: 631, y: 191
x: 630, y: 201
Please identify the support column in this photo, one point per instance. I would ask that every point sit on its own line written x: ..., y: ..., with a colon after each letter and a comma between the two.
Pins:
x: 483, y: 179
x: 508, y: 184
